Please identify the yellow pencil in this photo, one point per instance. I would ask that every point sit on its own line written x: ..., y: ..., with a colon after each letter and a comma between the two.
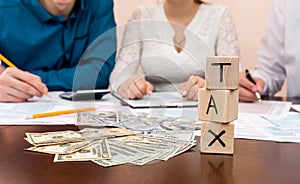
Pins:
x: 55, y: 113
x: 6, y: 61
x: 10, y: 64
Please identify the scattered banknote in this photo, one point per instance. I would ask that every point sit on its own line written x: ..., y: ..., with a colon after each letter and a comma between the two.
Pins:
x: 135, y: 121
x: 98, y: 151
x: 50, y: 138
x: 98, y: 118
x: 143, y: 149
x: 136, y: 138
x: 100, y: 133
x: 65, y: 148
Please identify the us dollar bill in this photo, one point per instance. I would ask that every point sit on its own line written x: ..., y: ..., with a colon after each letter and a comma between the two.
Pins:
x: 64, y: 148
x: 98, y: 151
x: 49, y: 138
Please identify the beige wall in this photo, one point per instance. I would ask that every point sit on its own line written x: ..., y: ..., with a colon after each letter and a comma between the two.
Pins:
x: 124, y: 8
x: 250, y: 18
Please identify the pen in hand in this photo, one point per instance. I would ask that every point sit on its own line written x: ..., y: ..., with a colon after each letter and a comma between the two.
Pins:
x: 6, y: 61
x: 249, y: 77
x: 10, y: 64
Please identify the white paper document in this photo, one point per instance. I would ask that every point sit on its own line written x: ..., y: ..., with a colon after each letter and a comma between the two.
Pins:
x: 279, y: 129
x: 16, y: 113
x: 296, y: 107
x: 265, y: 107
x: 158, y: 100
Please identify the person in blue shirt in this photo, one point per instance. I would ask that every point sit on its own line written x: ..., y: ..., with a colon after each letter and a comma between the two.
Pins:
x: 47, y: 41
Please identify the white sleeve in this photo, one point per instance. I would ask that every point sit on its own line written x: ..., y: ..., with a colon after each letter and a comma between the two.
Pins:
x: 129, y: 56
x: 270, y: 63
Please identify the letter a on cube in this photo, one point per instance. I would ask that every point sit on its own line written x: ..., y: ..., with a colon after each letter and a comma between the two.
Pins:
x: 218, y: 105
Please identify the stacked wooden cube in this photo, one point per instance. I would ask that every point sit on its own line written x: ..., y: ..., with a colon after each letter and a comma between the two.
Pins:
x: 218, y: 104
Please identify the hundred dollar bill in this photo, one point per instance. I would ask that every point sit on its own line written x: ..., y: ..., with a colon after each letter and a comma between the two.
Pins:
x: 94, y: 152
x: 184, y: 148
x: 105, y: 150
x: 167, y: 148
x: 177, y: 124
x: 166, y: 151
x: 65, y: 148
x: 142, y: 121
x: 101, y: 133
x: 150, y: 154
x: 97, y: 118
x: 119, y: 156
x: 124, y: 150
x: 108, y: 163
x: 153, y: 148
x: 178, y: 136
x: 135, y: 121
x: 143, y: 154
x: 49, y: 138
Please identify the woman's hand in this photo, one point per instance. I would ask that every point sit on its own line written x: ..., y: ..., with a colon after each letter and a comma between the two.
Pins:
x: 135, y: 88
x: 190, y: 88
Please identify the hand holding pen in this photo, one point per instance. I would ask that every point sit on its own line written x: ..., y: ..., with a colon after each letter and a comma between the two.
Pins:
x: 249, y: 77
x: 249, y: 87
x: 17, y: 85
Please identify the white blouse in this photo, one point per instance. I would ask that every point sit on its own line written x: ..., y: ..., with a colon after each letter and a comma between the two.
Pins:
x: 148, y: 42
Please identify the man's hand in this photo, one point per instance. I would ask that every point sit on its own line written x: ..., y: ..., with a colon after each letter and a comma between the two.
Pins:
x: 247, y: 89
x: 17, y: 85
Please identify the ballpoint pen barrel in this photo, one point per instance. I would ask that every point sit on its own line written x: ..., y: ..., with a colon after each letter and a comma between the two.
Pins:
x: 258, y: 96
x: 249, y: 77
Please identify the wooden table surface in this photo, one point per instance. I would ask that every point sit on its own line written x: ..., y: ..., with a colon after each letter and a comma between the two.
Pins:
x: 253, y: 162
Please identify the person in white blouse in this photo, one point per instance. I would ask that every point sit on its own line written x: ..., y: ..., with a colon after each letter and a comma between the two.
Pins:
x: 278, y: 55
x: 170, y: 42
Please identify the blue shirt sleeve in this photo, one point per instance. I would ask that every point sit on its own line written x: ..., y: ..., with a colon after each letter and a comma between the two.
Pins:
x: 94, y: 68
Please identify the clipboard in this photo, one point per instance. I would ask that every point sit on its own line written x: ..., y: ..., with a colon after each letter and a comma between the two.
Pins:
x: 84, y: 94
x: 157, y: 100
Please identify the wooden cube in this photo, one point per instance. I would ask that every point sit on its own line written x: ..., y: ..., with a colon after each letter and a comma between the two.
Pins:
x: 217, y: 138
x: 222, y: 72
x: 218, y: 105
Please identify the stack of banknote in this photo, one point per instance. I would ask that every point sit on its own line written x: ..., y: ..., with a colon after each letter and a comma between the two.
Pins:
x: 135, y: 121
x: 147, y: 148
x: 83, y: 145
x: 112, y: 146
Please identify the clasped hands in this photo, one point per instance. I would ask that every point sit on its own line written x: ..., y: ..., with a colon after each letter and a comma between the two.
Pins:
x: 136, y: 87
